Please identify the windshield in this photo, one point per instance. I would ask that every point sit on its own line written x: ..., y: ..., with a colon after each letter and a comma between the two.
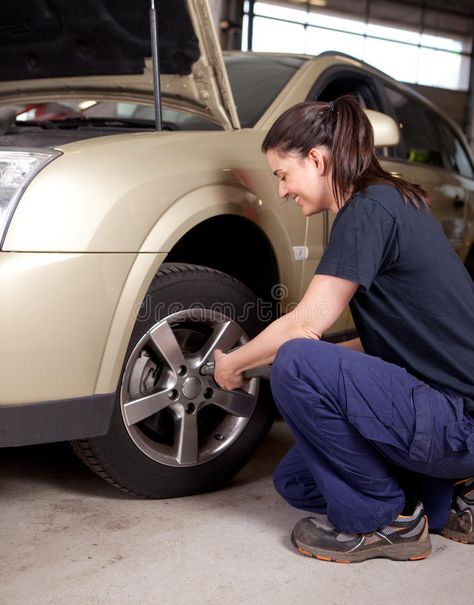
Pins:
x: 86, y: 112
x: 256, y: 80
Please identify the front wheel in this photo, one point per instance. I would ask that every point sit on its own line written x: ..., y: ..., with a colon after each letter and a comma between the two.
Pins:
x: 174, y: 431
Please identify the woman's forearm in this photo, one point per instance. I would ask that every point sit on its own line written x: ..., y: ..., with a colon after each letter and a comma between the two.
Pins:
x: 320, y: 307
x: 262, y: 349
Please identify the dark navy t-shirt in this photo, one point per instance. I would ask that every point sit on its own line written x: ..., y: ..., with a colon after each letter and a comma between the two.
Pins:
x: 415, y: 303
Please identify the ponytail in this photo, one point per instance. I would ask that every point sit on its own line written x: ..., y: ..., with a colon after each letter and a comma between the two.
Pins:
x: 344, y: 129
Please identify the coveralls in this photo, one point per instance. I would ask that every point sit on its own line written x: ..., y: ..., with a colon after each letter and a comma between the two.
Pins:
x: 394, y: 423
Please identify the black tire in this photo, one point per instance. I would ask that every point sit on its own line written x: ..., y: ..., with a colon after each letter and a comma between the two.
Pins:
x: 139, y: 456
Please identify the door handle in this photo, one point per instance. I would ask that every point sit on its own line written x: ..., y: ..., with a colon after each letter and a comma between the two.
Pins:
x: 458, y: 203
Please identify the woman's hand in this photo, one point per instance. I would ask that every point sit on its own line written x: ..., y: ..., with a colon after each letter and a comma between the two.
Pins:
x: 224, y: 373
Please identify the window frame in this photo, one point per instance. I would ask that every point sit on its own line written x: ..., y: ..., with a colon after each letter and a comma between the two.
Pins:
x: 444, y: 123
x: 335, y: 72
x: 374, y: 84
x: 436, y: 116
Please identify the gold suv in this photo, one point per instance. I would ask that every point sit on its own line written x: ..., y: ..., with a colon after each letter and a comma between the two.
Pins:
x: 128, y: 255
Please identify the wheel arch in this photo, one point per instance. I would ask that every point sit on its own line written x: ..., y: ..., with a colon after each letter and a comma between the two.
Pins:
x: 243, y: 251
x: 184, y: 234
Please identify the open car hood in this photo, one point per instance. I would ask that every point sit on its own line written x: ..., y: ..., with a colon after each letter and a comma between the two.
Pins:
x: 48, y: 46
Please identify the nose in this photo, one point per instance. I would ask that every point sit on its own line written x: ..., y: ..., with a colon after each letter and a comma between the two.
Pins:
x: 282, y: 190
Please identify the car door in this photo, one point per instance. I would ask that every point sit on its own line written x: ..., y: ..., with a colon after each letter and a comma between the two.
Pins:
x: 431, y: 155
x: 459, y: 163
x: 333, y: 83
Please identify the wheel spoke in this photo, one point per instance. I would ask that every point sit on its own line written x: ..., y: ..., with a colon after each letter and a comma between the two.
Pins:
x: 162, y: 375
x: 236, y: 403
x: 166, y: 346
x: 186, y: 446
x: 144, y: 407
x: 224, y: 337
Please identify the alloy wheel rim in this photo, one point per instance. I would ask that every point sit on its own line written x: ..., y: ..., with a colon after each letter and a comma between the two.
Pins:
x: 174, y: 414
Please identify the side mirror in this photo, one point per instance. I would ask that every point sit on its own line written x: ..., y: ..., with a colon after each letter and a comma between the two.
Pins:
x: 386, y: 130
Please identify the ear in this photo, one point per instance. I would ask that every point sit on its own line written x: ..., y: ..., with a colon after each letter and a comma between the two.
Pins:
x: 319, y: 159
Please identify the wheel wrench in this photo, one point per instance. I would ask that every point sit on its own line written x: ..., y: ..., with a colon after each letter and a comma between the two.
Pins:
x: 259, y: 372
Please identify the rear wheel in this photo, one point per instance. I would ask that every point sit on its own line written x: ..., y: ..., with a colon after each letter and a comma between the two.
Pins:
x: 174, y: 431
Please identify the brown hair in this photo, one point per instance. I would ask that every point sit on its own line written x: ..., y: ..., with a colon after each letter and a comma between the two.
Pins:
x: 342, y: 127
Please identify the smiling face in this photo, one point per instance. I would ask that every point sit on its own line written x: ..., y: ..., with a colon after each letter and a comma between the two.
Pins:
x: 305, y: 179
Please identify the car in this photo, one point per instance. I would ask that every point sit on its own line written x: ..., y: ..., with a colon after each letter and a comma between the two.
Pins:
x: 129, y: 252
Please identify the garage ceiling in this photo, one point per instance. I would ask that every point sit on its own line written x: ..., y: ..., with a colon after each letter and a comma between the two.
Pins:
x: 456, y: 16
x: 460, y: 7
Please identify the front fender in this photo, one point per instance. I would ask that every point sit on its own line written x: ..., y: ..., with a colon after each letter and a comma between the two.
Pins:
x: 188, y: 212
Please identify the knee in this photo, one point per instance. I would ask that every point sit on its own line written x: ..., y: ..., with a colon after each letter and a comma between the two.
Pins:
x: 303, y: 361
x: 290, y: 355
x: 294, y: 357
x: 286, y: 370
x: 283, y: 366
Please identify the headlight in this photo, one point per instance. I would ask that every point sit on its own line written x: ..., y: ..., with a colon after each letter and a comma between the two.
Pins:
x: 17, y: 168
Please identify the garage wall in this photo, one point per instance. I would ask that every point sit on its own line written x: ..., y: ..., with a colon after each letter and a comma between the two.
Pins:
x: 456, y: 103
x: 406, y: 14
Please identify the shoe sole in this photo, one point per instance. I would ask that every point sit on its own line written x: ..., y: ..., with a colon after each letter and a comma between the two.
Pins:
x: 395, y: 552
x: 458, y: 537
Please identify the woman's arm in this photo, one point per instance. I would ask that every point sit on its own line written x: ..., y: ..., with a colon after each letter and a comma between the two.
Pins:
x: 323, y: 302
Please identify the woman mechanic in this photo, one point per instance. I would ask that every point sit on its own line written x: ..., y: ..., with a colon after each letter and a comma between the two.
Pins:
x: 384, y: 436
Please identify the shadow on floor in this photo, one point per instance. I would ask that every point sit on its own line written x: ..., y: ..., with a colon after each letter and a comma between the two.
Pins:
x: 57, y: 465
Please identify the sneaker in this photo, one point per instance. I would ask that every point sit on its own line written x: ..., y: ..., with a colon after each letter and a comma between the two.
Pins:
x: 460, y: 525
x: 405, y: 539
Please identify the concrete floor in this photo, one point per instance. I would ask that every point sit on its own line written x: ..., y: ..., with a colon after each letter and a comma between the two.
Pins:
x: 68, y: 537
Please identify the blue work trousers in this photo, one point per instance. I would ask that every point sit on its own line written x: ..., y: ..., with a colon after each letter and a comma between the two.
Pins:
x: 368, y: 436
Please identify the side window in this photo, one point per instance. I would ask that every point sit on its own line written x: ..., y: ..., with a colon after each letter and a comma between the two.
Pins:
x: 362, y: 88
x: 419, y: 140
x: 456, y: 157
x: 348, y: 82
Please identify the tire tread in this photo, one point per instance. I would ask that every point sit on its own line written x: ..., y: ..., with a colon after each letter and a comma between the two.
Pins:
x: 84, y: 451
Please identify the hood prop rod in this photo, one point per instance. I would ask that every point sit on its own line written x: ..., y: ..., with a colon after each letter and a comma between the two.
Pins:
x: 156, y: 64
